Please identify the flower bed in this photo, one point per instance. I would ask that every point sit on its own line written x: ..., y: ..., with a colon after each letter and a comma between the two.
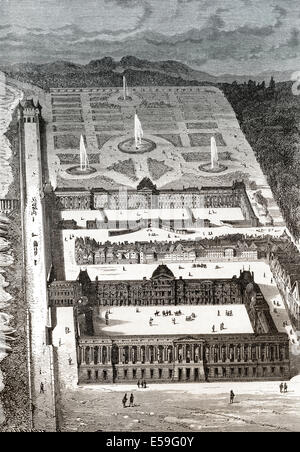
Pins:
x: 172, y: 138
x: 201, y: 156
x: 157, y: 168
x: 125, y: 167
x: 204, y: 139
x: 67, y: 141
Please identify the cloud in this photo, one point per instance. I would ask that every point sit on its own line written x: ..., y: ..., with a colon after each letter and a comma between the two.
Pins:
x: 202, y: 33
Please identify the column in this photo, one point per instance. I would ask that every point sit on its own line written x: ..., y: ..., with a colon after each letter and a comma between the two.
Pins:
x: 155, y: 358
x: 82, y: 350
x: 165, y: 359
x: 138, y: 353
x: 120, y: 355
x: 91, y: 356
x: 192, y: 353
x: 130, y: 354
x: 97, y: 358
x: 175, y: 353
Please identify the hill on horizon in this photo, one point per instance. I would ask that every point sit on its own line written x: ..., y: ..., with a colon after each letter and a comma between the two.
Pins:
x: 109, y: 72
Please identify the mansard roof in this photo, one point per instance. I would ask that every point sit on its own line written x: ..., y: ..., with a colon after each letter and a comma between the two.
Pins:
x: 83, y: 277
x: 146, y: 183
x: 162, y: 271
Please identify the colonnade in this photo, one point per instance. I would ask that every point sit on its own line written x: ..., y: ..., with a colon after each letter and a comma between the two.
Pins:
x: 181, y: 353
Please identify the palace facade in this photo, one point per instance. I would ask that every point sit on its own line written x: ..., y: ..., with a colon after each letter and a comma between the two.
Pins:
x: 183, y: 358
x: 147, y: 196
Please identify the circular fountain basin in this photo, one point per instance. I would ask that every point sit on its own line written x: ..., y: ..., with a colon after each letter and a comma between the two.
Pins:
x: 128, y: 146
x: 217, y: 169
x: 77, y: 171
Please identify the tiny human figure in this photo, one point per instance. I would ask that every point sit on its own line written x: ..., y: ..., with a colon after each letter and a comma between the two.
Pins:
x: 131, y: 400
x: 145, y: 384
x: 42, y: 389
x: 70, y: 361
x: 219, y: 313
x: 124, y: 400
x: 138, y: 384
x: 213, y: 328
x: 285, y: 388
x: 174, y: 321
x: 232, y: 395
x: 281, y: 387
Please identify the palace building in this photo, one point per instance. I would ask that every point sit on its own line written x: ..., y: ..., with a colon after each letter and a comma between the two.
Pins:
x: 254, y: 353
x: 147, y: 196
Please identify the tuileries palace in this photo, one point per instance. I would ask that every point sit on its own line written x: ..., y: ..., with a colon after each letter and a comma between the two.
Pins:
x: 147, y: 196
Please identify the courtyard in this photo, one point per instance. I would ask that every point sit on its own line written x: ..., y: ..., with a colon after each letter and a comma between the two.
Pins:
x: 127, y: 321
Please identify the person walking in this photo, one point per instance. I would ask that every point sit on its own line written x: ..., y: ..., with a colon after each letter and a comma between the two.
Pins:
x: 285, y: 388
x: 138, y: 384
x: 232, y: 395
x: 124, y: 400
x: 281, y: 387
x: 131, y: 400
x: 145, y: 384
x: 42, y: 389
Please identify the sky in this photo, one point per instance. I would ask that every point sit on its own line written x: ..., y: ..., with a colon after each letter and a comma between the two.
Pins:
x: 216, y: 36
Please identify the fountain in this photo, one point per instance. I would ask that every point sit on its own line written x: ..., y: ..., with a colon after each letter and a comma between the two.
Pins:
x: 84, y: 169
x: 214, y: 166
x: 138, y: 144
